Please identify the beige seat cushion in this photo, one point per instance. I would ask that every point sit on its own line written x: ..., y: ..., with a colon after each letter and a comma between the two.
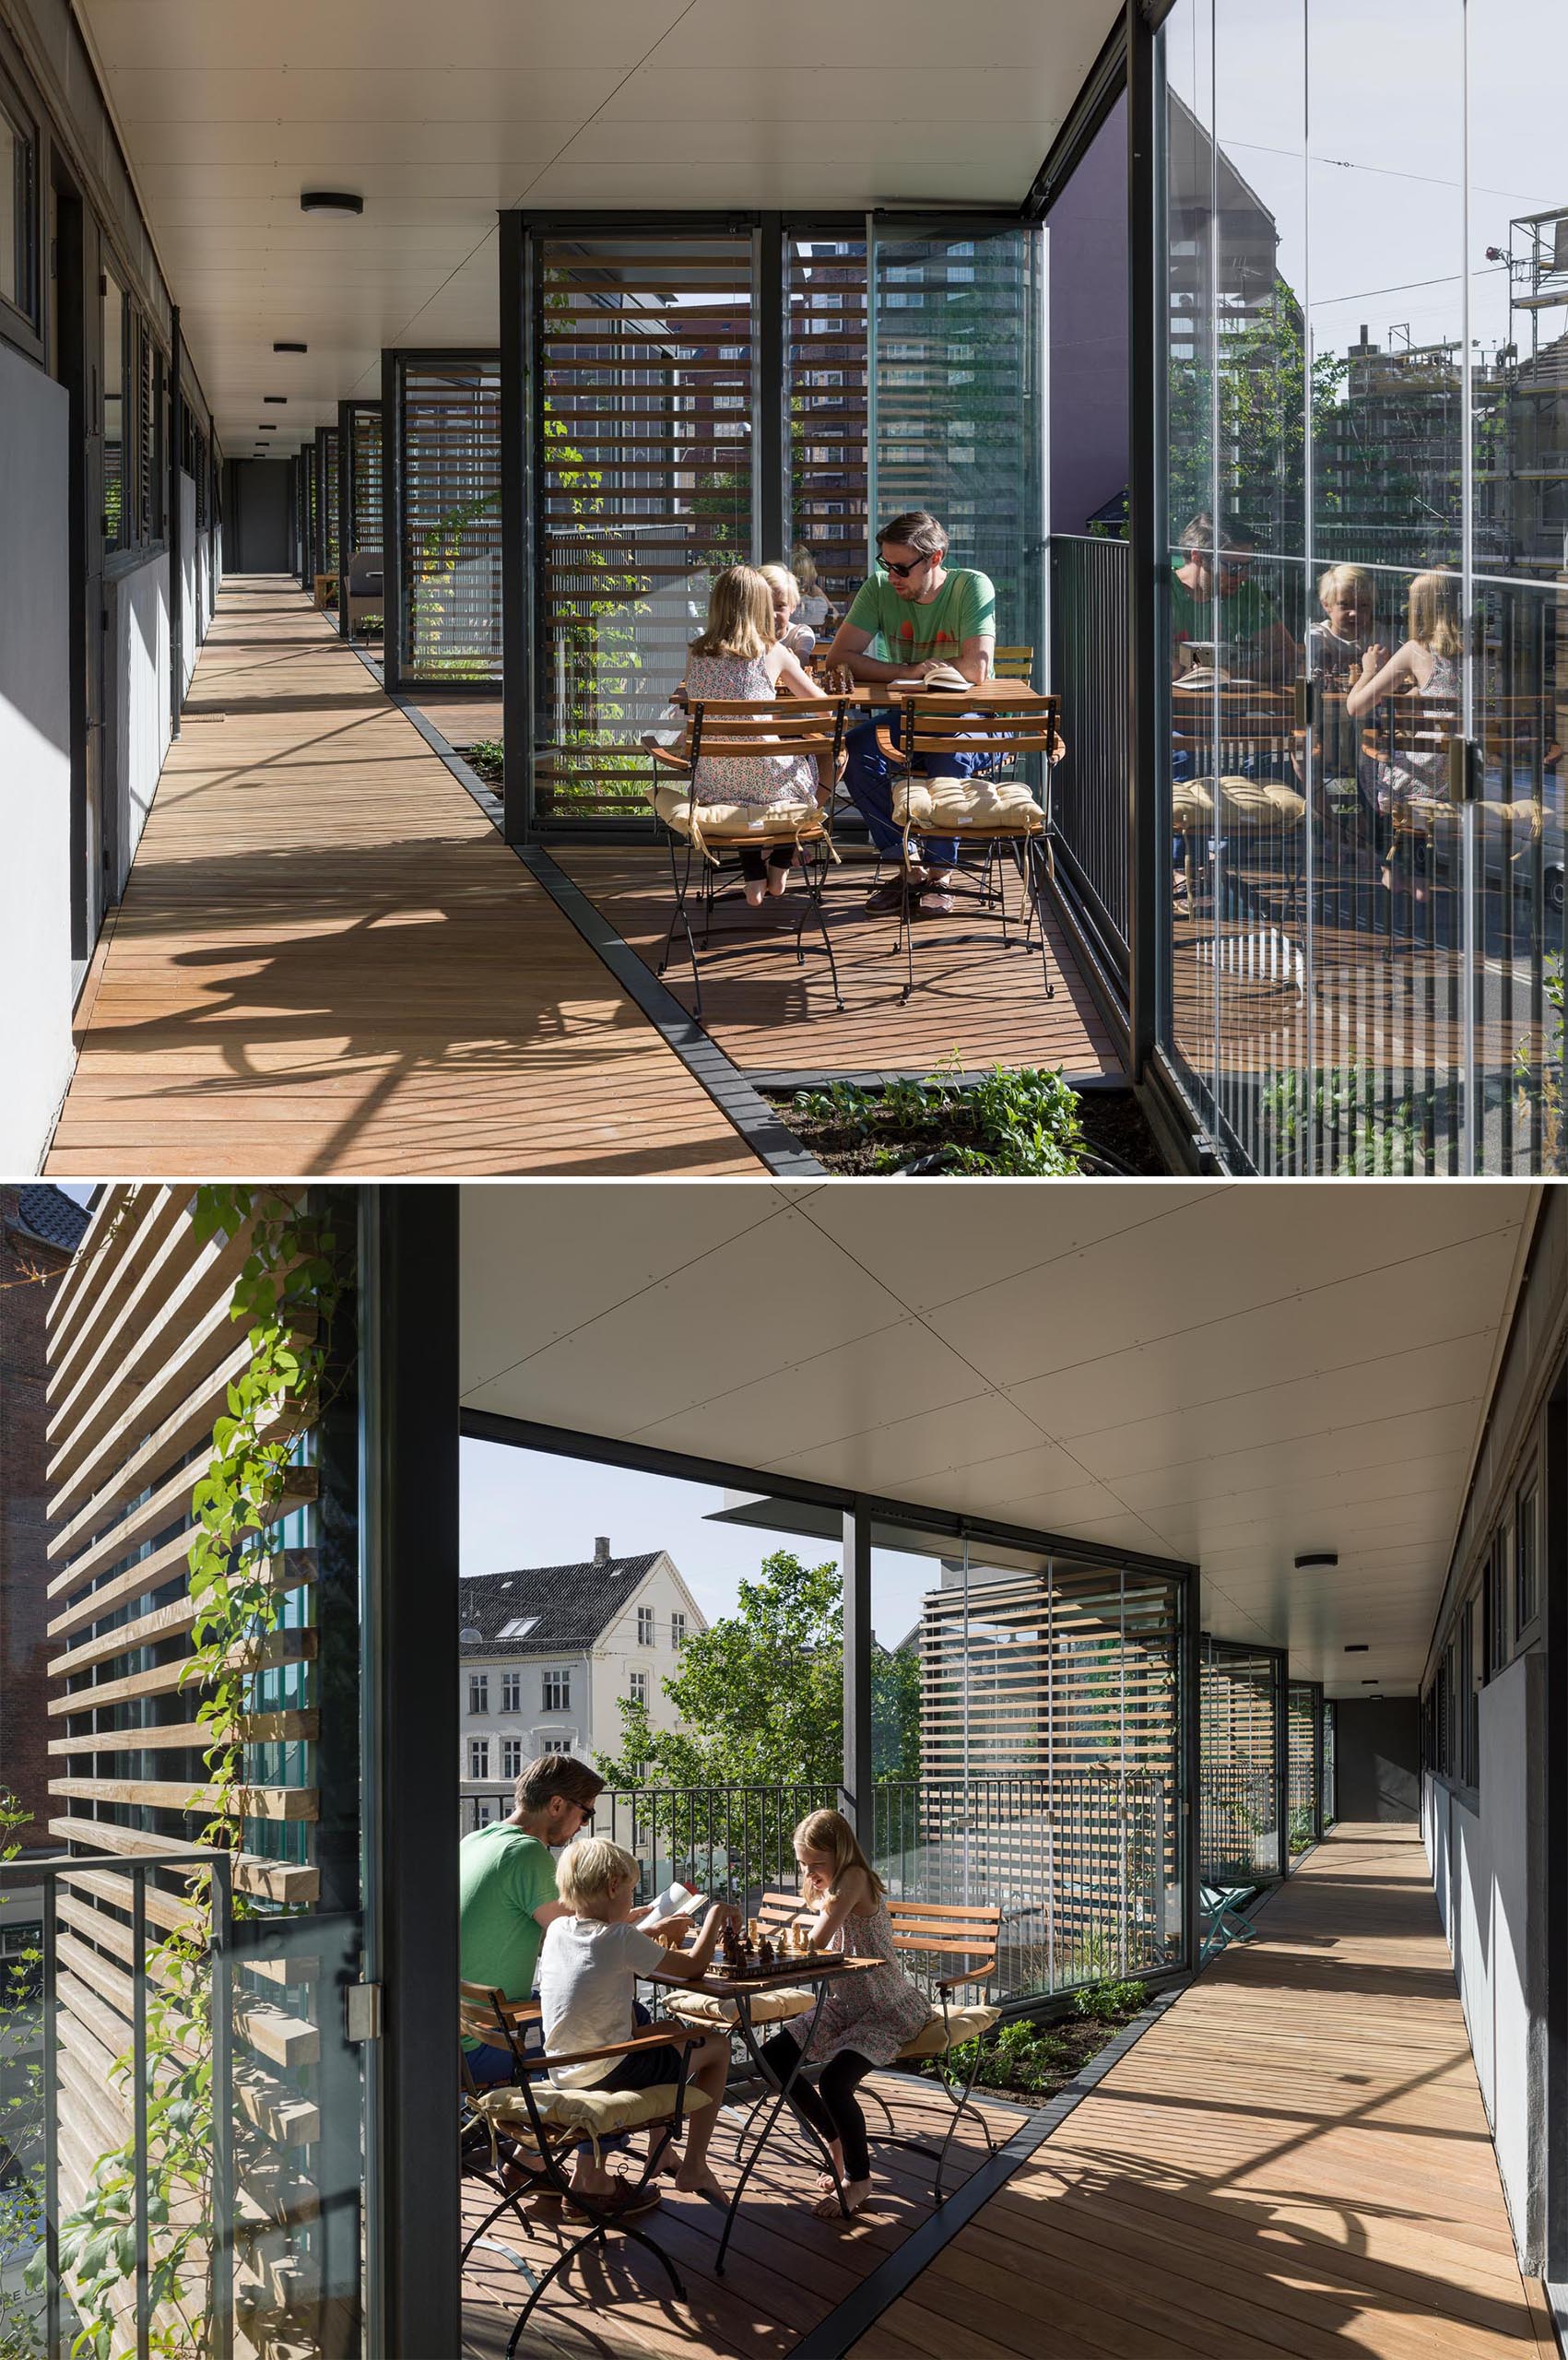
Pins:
x: 968, y: 807
x: 1246, y: 802
x: 601, y: 2113
x: 963, y: 2023
x: 735, y: 823
x: 767, y: 2007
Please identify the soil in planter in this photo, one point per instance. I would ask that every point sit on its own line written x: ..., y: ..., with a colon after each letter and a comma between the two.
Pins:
x: 1114, y: 1128
x: 1029, y: 2063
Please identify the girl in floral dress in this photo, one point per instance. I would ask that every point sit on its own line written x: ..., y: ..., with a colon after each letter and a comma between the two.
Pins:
x: 857, y: 2024
x: 737, y: 655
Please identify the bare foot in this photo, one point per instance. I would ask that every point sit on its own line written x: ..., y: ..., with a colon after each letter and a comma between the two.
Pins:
x: 698, y: 2180
x: 778, y: 883
x: 855, y: 2192
x: 755, y: 889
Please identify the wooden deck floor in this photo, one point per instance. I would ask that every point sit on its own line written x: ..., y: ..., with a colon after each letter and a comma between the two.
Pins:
x: 327, y: 962
x: 768, y: 1015
x: 785, y: 2269
x: 1293, y: 2160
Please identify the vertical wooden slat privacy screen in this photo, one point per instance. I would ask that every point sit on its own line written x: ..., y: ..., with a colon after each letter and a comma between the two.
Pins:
x: 448, y: 428
x: 1303, y: 1760
x: 142, y: 1351
x: 327, y: 442
x: 365, y: 440
x: 1239, y: 1823
x: 644, y: 464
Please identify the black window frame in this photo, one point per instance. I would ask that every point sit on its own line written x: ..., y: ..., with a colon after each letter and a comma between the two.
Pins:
x: 1499, y: 1599
x: 1527, y: 1584
x: 21, y: 323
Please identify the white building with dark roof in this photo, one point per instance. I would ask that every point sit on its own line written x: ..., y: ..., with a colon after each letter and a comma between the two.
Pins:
x: 548, y: 1652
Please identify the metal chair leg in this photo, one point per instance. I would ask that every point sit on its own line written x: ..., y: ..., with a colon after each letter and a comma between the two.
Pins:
x: 1031, y: 854
x: 814, y: 897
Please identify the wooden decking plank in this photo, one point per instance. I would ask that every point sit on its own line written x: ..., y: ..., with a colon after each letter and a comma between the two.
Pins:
x: 327, y: 961
x: 1293, y: 2159
x: 768, y: 1015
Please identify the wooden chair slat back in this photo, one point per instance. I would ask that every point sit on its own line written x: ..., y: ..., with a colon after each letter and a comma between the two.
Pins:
x: 943, y: 724
x: 1012, y: 663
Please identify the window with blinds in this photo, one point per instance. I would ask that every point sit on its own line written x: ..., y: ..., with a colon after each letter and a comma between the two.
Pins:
x: 825, y: 360
x: 645, y: 471
x: 1239, y: 1827
x: 449, y: 461
x: 364, y: 423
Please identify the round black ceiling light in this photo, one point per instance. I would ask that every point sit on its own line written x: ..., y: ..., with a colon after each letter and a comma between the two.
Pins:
x: 1317, y: 1557
x: 279, y: 398
x: 291, y: 348
x: 330, y: 200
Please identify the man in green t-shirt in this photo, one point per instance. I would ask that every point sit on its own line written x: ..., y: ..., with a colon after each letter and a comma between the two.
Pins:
x: 507, y: 1892
x: 919, y: 614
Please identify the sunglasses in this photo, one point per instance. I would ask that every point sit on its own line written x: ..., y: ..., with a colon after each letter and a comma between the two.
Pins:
x: 912, y: 567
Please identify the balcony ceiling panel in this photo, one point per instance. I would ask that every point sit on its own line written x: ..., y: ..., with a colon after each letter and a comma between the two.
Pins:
x: 439, y: 116
x: 1236, y: 1376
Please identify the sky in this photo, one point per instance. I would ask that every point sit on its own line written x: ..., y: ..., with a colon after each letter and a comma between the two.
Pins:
x: 1350, y: 121
x: 522, y: 1507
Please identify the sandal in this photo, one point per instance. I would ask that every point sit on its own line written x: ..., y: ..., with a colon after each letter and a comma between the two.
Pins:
x: 622, y: 2202
x: 888, y: 900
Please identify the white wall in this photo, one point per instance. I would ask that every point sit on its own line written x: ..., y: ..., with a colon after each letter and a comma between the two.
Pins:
x: 136, y: 697
x: 1489, y: 1869
x: 35, y: 758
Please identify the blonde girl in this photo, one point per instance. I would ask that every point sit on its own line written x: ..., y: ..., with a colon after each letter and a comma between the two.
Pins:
x: 1427, y: 664
x: 856, y: 2024
x: 1347, y: 596
x: 738, y: 655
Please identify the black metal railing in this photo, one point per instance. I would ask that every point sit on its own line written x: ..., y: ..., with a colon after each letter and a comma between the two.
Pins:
x: 31, y: 2018
x: 1091, y: 785
x: 1082, y: 1864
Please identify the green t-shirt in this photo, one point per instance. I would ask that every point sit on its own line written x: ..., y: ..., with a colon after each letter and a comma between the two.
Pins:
x: 965, y: 607
x: 502, y: 1877
x: 1245, y: 612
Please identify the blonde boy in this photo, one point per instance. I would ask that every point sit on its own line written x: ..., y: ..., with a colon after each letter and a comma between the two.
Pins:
x: 588, y: 1969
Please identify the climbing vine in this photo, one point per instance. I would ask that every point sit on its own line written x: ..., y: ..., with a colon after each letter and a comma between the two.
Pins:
x: 287, y: 1294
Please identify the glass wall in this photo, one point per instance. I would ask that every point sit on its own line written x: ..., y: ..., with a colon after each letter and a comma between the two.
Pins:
x: 448, y: 458
x: 1366, y: 298
x: 1238, y: 1829
x: 1026, y: 1724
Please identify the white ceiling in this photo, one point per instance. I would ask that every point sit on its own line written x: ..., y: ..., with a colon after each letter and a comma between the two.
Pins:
x: 1235, y: 1375
x: 439, y: 115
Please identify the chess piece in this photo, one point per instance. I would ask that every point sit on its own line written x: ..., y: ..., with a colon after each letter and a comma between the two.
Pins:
x: 765, y: 1958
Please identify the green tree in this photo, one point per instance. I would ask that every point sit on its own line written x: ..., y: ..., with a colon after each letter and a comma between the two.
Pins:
x: 759, y: 1694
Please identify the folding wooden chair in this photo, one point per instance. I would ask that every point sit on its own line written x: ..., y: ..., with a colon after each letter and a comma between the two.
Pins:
x: 700, y: 835
x: 555, y: 2122
x: 991, y: 812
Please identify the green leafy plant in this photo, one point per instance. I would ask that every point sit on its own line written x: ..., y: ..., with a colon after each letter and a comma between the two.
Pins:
x: 1111, y: 2003
x: 1022, y: 1122
x: 488, y: 756
x: 21, y: 2122
x: 285, y: 1294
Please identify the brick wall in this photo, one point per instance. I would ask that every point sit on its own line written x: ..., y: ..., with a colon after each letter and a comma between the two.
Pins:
x: 29, y: 1272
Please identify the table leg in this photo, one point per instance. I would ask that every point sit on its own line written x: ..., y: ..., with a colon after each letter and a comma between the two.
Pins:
x: 747, y: 2034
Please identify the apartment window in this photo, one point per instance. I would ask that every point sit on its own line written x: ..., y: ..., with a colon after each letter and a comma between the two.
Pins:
x: 637, y: 1688
x: 1469, y: 1699
x: 678, y: 1629
x: 116, y: 524
x: 18, y: 153
x: 1497, y: 1618
x: 479, y: 1757
x: 558, y: 1692
x: 644, y: 1626
x: 512, y: 1692
x: 1527, y: 1602
x: 511, y: 1757
x: 479, y: 1692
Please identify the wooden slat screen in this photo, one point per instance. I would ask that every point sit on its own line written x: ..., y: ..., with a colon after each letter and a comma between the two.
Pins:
x: 825, y: 358
x: 449, y: 459
x: 364, y: 422
x: 1239, y: 1832
x: 327, y: 447
x: 644, y: 473
x: 141, y: 1349
x: 1050, y: 1748
x: 1301, y: 1730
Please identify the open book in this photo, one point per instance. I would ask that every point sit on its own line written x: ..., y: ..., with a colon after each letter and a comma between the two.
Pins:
x: 677, y: 1901
x: 941, y: 676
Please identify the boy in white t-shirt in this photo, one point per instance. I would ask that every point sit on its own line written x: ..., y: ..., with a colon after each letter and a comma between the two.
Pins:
x: 588, y: 1970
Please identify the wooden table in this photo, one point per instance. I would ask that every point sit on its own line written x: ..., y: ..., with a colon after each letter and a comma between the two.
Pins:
x: 827, y: 1967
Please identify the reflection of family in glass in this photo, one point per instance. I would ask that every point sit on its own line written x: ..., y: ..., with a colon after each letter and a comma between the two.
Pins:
x: 914, y: 618
x: 1383, y: 712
